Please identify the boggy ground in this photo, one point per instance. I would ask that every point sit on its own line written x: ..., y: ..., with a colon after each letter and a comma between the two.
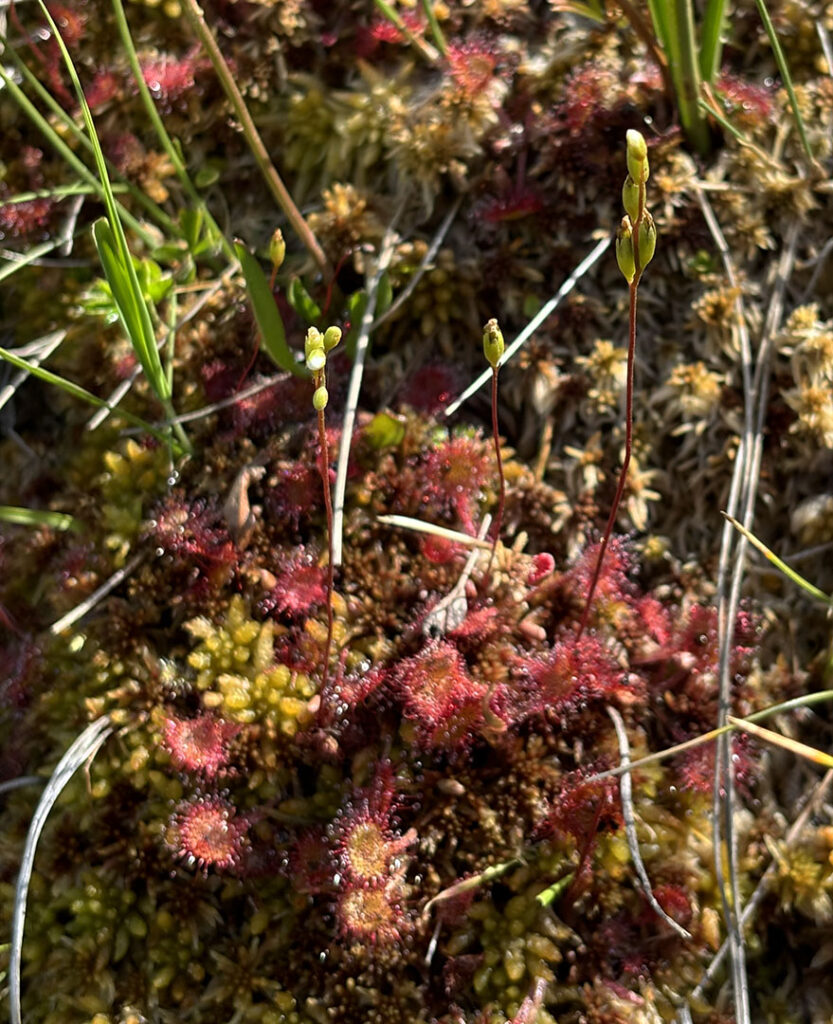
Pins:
x: 256, y: 842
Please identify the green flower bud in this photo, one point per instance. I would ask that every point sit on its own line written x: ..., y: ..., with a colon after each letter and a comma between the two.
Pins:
x: 624, y: 249
x: 637, y: 156
x: 277, y: 249
x: 647, y: 240
x: 630, y: 198
x: 493, y: 343
x: 332, y: 336
x: 316, y: 360
x: 314, y: 340
x: 320, y: 398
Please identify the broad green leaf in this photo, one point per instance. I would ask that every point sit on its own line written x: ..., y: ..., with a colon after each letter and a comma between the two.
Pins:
x: 302, y: 302
x: 269, y: 322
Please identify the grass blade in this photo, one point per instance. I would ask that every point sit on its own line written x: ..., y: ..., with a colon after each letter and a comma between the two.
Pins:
x: 86, y: 396
x: 785, y: 742
x: 711, y: 41
x: 787, y: 570
x: 37, y: 517
x: 83, y: 748
x: 64, y: 151
x: 161, y: 132
x: 786, y: 78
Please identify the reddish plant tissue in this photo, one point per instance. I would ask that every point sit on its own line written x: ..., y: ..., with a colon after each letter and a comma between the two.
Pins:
x: 440, y: 697
x: 210, y: 833
x: 300, y: 587
x: 368, y: 849
x: 456, y: 472
x: 200, y: 744
x: 575, y: 673
x: 372, y: 916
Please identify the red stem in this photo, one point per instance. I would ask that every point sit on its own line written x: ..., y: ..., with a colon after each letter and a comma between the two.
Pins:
x: 623, y: 475
x: 324, y: 466
x: 502, y: 495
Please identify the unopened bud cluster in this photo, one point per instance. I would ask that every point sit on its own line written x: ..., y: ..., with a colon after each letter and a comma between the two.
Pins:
x: 316, y: 347
x: 636, y: 238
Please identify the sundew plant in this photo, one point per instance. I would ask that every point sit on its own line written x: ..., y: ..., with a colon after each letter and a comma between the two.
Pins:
x: 373, y: 649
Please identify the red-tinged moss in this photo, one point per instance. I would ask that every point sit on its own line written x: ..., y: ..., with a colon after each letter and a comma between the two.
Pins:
x: 431, y: 388
x: 543, y: 565
x: 171, y: 78
x: 311, y: 864
x: 473, y: 64
x: 440, y: 550
x: 574, y: 674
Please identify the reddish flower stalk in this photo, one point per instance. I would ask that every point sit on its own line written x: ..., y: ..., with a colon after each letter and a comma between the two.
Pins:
x: 493, y: 347
x: 317, y: 345
x: 635, y: 244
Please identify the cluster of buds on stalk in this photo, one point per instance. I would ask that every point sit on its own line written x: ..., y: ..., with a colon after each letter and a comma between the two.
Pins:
x: 316, y: 348
x: 636, y: 238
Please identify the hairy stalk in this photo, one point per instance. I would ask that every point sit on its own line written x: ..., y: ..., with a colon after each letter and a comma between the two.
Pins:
x: 635, y: 244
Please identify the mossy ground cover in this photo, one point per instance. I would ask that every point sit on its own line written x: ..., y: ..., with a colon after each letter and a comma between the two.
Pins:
x: 417, y: 834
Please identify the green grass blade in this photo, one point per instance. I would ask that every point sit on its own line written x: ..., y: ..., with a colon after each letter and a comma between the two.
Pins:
x: 269, y: 322
x: 136, y: 312
x: 153, y: 210
x: 26, y: 258
x: 659, y: 17
x: 685, y: 71
x: 779, y: 564
x: 159, y: 127
x: 58, y: 192
x: 64, y: 151
x: 436, y: 31
x: 86, y: 396
x: 786, y: 78
x: 711, y: 39
x: 37, y: 517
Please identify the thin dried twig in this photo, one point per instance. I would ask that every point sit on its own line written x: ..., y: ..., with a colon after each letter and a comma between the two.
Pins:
x: 362, y: 342
x: 450, y: 613
x: 35, y: 352
x: 626, y: 793
x: 761, y: 889
x: 426, y: 262
x: 196, y: 18
x: 420, y: 526
x: 80, y: 610
x: 83, y: 749
x: 534, y: 323
x: 744, y: 492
